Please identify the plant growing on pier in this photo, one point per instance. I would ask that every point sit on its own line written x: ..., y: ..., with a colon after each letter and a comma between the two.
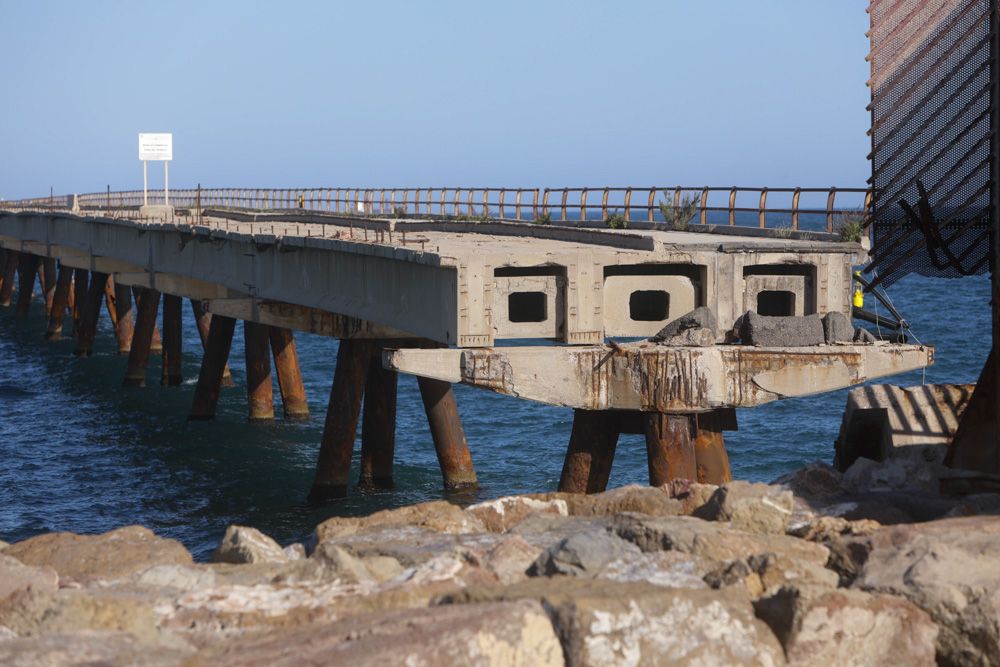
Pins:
x: 679, y: 215
x: 399, y: 212
x: 543, y: 218
x: 851, y: 226
x: 616, y: 221
x: 783, y: 230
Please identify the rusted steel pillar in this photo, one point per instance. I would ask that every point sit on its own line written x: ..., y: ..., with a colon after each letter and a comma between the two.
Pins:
x: 49, y: 280
x: 204, y: 320
x: 138, y: 356
x: 81, y: 279
x: 111, y: 301
x: 333, y: 466
x: 592, y: 444
x: 90, y: 311
x: 206, y: 394
x: 124, y: 318
x: 449, y: 437
x: 171, y: 375
x: 378, y: 425
x: 260, y: 394
x: 26, y: 270
x: 286, y: 364
x: 155, y: 342
x: 670, y: 447
x: 9, y: 271
x: 711, y: 458
x: 60, y: 301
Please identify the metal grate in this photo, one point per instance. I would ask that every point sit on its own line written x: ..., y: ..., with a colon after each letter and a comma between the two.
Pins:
x: 931, y: 88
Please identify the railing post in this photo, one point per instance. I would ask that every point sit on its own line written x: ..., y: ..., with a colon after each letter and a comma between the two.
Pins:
x: 565, y: 198
x: 517, y: 206
x: 732, y: 206
x: 649, y: 205
x: 503, y: 191
x: 628, y: 204
x: 583, y: 205
x: 604, y: 204
x: 795, y: 207
x: 704, y: 206
x: 829, y: 208
x: 762, y: 209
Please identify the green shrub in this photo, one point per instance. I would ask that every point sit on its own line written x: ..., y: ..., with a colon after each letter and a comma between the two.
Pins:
x: 679, y: 216
x: 851, y: 226
x: 543, y: 218
x: 616, y: 221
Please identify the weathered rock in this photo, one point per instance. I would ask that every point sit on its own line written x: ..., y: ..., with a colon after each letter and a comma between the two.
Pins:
x: 837, y: 328
x: 672, y: 569
x: 715, y: 542
x: 691, y: 495
x: 948, y: 568
x: 979, y: 503
x: 177, y: 576
x: 87, y: 648
x: 510, y: 559
x: 116, y: 554
x: 502, y: 514
x: 823, y: 626
x: 814, y: 481
x: 766, y: 573
x: 755, y: 508
x: 649, y: 500
x: 866, y: 475
x: 828, y: 528
x: 790, y: 331
x: 438, y: 516
x: 3, y: 545
x: 508, y: 634
x: 16, y: 577
x: 295, y: 551
x: 71, y: 610
x: 582, y: 555
x: 694, y: 328
x: 348, y: 568
x: 608, y: 623
x: 242, y: 544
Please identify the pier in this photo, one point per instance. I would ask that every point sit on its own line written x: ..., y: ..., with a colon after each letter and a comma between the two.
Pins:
x: 524, y: 292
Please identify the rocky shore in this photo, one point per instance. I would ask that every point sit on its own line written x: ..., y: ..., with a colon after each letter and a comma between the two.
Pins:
x: 869, y: 567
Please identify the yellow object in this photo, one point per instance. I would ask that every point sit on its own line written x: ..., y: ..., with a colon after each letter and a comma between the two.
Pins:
x: 859, y: 296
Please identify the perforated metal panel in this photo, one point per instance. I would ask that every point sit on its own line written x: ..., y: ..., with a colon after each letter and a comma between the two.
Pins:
x: 931, y: 89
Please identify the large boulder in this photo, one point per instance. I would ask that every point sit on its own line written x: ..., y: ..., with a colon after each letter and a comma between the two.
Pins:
x: 87, y: 648
x: 502, y: 514
x: 692, y: 329
x: 781, y: 331
x: 438, y: 516
x: 755, y: 508
x: 501, y: 634
x: 837, y: 328
x: 582, y: 554
x: 823, y: 627
x: 117, y: 554
x: 242, y: 544
x: 948, y: 568
x: 16, y: 577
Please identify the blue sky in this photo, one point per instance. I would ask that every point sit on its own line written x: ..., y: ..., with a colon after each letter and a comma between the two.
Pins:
x: 393, y: 93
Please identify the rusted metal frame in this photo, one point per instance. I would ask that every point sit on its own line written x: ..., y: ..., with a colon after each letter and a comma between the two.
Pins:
x: 450, y: 442
x: 503, y: 193
x: 378, y: 424
x: 286, y: 366
x: 203, y: 320
x: 732, y: 206
x: 628, y: 204
x: 91, y: 311
x: 60, y: 301
x: 213, y: 362
x: 27, y: 269
x: 333, y: 465
x: 583, y: 204
x: 148, y: 301
x: 762, y: 209
x: 670, y: 447
x: 171, y: 374
x: 49, y: 275
x: 929, y: 73
x: 110, y: 301
x: 711, y: 458
x: 124, y: 318
x: 651, y: 214
x: 704, y: 206
x: 831, y: 196
x: 795, y: 207
x: 591, y: 452
x: 545, y: 202
x: 260, y: 393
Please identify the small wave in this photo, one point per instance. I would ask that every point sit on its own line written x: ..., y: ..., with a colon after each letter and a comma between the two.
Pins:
x: 8, y: 391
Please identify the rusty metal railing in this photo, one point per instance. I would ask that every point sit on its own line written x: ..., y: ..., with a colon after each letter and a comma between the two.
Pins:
x: 756, y: 206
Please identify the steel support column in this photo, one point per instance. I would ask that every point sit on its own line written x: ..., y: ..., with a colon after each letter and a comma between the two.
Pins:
x: 670, y: 447
x: 591, y: 451
x: 378, y: 425
x: 90, y: 312
x: 260, y: 392
x: 26, y: 271
x: 286, y: 365
x: 213, y: 363
x: 138, y: 356
x: 449, y: 437
x: 203, y: 319
x: 60, y: 302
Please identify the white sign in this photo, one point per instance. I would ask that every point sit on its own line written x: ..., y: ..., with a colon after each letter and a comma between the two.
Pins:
x: 158, y: 147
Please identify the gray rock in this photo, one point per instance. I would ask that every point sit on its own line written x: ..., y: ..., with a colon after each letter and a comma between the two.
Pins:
x: 16, y: 577
x: 828, y: 627
x: 813, y: 481
x: 242, y: 544
x: 695, y: 328
x: 790, y: 331
x: 86, y: 648
x: 862, y: 335
x: 510, y: 559
x: 948, y: 568
x: 755, y: 508
x: 837, y: 328
x: 582, y: 555
x: 177, y: 576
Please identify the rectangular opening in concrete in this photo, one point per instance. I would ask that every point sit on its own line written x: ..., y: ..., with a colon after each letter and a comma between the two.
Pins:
x: 649, y: 305
x: 527, y: 307
x: 775, y: 303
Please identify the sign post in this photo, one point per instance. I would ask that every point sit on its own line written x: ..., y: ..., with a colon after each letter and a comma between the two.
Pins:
x: 158, y: 147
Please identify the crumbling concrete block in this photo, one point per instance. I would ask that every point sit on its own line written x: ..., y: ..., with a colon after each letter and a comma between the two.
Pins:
x: 693, y: 329
x: 790, y: 331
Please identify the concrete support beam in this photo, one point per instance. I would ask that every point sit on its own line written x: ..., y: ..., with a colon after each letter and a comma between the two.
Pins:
x: 591, y: 451
x: 26, y: 271
x: 138, y: 357
x: 213, y: 363
x: 670, y: 447
x: 171, y: 375
x: 203, y: 319
x: 334, y: 463
x: 90, y: 312
x: 449, y: 437
x: 60, y: 302
x: 378, y: 426
x: 301, y: 318
x: 260, y: 394
x: 286, y: 365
